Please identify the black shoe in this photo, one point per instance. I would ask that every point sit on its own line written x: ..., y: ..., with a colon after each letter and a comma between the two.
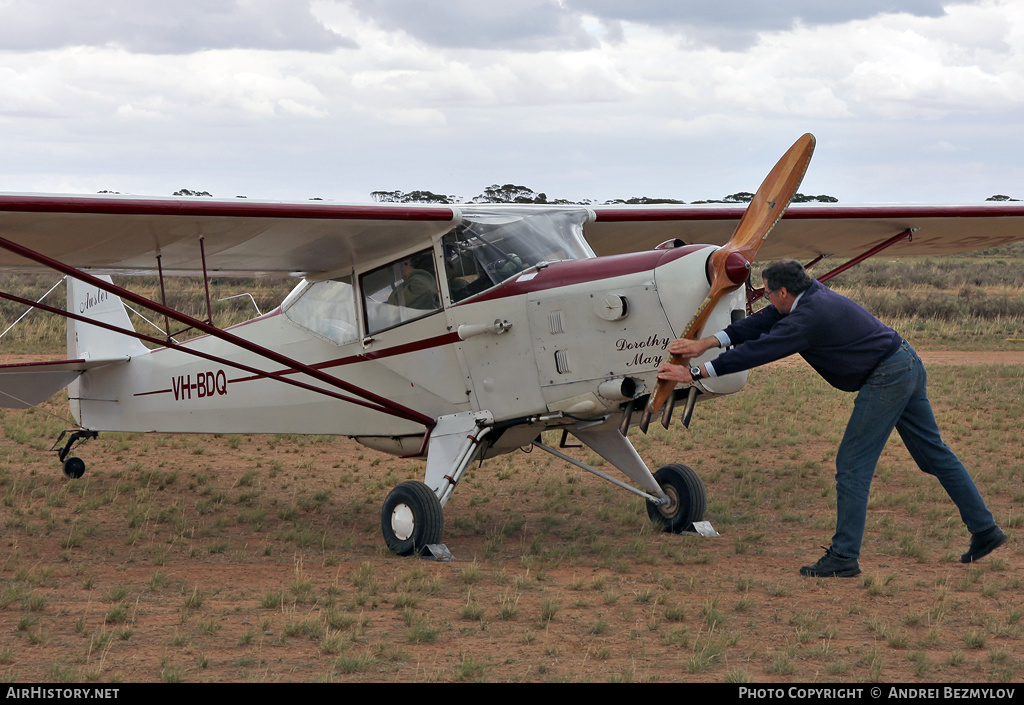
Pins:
x: 983, y: 543
x: 832, y: 565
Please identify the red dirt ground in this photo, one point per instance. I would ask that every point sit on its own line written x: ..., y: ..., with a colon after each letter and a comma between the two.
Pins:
x: 259, y: 559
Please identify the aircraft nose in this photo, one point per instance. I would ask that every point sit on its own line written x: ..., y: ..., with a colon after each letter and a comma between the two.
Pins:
x: 737, y: 268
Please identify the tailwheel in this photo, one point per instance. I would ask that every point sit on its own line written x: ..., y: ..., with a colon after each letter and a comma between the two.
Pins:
x: 411, y: 518
x: 74, y: 467
x: 687, y: 499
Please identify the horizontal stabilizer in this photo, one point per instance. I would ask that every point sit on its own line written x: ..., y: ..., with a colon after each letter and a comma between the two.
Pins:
x: 23, y: 385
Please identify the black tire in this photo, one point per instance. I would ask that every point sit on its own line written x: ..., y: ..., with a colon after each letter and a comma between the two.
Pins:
x: 411, y: 518
x: 688, y: 498
x: 74, y: 467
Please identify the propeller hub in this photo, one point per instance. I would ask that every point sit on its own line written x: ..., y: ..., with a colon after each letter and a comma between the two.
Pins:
x: 737, y: 268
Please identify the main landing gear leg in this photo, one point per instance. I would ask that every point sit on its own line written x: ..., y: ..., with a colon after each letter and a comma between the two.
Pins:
x: 412, y: 518
x: 680, y: 498
x: 73, y: 467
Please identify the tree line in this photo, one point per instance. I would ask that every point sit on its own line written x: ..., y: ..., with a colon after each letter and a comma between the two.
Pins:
x: 512, y: 193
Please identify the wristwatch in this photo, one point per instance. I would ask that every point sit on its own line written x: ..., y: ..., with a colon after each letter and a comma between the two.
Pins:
x: 695, y: 372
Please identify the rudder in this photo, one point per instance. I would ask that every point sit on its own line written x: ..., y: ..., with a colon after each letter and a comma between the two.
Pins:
x: 88, y: 342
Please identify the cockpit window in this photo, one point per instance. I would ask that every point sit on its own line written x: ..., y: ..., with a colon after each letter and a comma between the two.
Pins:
x: 491, y: 245
x: 401, y: 291
x: 327, y: 308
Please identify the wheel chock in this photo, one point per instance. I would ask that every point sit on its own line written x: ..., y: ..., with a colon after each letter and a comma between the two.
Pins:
x: 438, y: 552
x: 704, y: 528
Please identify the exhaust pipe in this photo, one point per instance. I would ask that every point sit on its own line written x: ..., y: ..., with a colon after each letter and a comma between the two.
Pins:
x: 618, y: 389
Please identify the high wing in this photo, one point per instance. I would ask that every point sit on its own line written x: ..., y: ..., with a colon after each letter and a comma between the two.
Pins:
x: 122, y: 234
x: 808, y: 231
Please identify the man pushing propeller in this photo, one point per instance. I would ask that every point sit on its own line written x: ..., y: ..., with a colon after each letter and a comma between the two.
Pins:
x: 855, y: 352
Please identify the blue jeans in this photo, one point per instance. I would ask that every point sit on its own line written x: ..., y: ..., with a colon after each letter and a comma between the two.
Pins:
x: 894, y: 396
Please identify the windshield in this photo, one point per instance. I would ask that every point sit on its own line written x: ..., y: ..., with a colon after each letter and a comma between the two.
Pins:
x: 491, y: 245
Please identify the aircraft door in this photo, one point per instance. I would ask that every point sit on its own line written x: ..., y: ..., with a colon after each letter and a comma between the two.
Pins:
x: 407, y: 335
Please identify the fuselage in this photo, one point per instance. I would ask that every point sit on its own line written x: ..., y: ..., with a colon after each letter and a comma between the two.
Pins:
x: 572, y: 337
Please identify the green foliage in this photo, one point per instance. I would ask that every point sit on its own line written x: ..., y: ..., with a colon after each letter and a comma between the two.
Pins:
x: 512, y: 193
x: 411, y: 197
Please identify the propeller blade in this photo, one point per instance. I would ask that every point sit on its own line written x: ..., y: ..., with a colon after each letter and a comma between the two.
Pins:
x: 666, y: 412
x: 691, y: 401
x: 645, y: 420
x: 627, y: 416
x: 729, y: 266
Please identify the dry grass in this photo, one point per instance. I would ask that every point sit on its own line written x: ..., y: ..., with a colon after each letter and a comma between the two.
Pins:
x: 260, y: 559
x: 42, y: 333
x: 964, y: 302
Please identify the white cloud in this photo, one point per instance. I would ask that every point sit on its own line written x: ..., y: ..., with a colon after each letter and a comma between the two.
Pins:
x: 133, y: 113
x: 155, y: 27
x: 736, y: 25
x: 525, y: 25
x: 414, y: 118
x: 603, y: 100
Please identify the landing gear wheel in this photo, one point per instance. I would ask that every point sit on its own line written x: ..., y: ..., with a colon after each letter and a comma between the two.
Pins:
x: 687, y: 499
x: 74, y: 467
x: 411, y: 518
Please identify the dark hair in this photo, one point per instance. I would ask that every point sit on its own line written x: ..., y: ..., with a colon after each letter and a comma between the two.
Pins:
x: 421, y: 260
x: 788, y: 274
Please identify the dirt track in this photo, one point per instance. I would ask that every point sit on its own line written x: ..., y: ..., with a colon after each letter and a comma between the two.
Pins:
x: 980, y: 357
x: 951, y: 357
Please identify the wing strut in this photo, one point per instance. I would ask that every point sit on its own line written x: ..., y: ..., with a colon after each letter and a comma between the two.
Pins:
x: 908, y: 234
x: 905, y: 235
x: 378, y: 403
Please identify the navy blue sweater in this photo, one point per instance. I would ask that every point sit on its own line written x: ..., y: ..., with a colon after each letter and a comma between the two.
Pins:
x: 838, y: 338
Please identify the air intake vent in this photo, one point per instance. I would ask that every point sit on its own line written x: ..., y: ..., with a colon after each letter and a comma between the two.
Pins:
x: 555, y: 322
x: 562, y: 362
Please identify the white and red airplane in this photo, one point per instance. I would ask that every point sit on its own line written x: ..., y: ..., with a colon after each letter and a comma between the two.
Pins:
x: 448, y: 333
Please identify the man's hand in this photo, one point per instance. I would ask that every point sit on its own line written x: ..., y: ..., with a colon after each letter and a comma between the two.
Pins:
x: 674, y: 373
x: 692, y: 348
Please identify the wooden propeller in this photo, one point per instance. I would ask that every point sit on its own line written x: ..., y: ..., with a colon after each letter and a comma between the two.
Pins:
x: 729, y: 266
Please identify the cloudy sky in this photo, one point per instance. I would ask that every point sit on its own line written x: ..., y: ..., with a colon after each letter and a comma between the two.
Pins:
x: 911, y: 100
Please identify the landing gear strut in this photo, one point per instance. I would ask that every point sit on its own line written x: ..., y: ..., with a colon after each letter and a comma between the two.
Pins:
x: 73, y: 467
x: 412, y: 517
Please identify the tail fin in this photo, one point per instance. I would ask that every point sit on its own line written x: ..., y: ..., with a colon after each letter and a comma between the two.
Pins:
x: 25, y: 384
x: 90, y: 342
